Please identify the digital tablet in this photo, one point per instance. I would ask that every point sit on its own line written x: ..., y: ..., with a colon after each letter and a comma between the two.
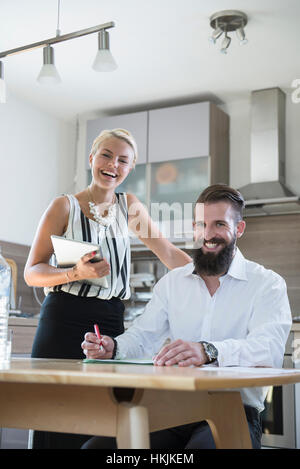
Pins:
x: 68, y: 252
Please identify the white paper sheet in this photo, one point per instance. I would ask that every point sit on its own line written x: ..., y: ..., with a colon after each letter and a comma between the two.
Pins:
x: 251, y: 369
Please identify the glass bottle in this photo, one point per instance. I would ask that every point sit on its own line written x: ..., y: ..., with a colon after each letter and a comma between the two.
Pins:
x: 5, y: 285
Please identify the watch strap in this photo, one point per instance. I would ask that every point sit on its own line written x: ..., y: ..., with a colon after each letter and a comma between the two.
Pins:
x: 115, y: 349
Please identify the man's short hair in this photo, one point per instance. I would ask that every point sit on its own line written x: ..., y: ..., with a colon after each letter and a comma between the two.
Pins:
x: 223, y: 193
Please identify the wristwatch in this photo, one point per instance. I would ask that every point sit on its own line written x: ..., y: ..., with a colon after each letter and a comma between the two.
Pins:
x: 210, y: 351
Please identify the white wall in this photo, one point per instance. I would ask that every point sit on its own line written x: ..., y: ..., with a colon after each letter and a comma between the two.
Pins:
x: 81, y: 171
x: 37, y: 162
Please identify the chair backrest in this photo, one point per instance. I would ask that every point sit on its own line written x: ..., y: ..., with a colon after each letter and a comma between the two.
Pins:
x: 14, y: 274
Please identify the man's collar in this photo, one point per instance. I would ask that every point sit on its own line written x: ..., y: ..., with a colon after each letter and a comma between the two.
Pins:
x: 237, y: 267
x: 189, y: 269
x: 236, y: 270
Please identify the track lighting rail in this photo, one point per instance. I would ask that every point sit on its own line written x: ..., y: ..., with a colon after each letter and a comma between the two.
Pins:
x: 57, y: 39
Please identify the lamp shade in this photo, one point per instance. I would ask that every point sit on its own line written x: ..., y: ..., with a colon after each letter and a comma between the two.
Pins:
x: 48, y: 74
x: 104, y: 61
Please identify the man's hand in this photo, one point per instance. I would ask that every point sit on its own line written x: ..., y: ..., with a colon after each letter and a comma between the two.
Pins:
x: 95, y: 348
x: 181, y: 353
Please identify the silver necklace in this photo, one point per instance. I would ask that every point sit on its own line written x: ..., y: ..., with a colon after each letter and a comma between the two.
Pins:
x: 103, y: 222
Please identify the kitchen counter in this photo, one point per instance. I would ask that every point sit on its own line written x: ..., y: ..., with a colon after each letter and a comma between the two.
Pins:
x: 23, y: 330
x: 25, y: 322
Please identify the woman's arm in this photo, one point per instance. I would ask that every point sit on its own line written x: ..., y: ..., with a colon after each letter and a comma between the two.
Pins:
x: 37, y: 271
x: 141, y: 224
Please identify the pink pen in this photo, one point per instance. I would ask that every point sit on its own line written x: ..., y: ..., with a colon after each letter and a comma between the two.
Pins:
x: 97, y: 332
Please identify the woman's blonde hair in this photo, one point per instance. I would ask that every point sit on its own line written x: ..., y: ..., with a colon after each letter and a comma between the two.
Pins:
x: 117, y: 133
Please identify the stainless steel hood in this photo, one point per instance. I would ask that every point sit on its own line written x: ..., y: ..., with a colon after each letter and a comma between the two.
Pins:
x: 267, y: 192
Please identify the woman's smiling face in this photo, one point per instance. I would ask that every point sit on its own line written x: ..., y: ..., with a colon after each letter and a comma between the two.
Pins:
x: 112, y: 162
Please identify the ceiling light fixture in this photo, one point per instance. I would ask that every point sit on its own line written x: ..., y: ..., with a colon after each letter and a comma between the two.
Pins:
x: 48, y: 75
x: 227, y: 21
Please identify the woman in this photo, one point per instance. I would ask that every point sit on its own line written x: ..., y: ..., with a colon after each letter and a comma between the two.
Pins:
x: 100, y: 215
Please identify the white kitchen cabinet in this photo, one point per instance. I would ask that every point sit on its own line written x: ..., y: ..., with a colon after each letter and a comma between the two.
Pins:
x: 136, y: 123
x: 188, y: 151
x: 179, y: 132
x: 198, y: 130
x: 187, y: 131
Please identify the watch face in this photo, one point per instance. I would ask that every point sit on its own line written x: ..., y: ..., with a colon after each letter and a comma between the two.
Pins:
x: 210, y: 350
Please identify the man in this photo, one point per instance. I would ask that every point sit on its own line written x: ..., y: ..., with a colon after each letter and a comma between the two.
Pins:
x: 220, y: 309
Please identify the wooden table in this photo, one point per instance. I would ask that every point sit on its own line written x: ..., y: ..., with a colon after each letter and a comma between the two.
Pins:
x: 127, y: 401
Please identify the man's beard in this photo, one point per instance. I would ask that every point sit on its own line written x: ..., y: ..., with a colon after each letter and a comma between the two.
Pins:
x: 214, y: 264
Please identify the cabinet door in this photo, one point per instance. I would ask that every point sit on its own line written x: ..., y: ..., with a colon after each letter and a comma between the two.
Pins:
x: 136, y: 123
x: 179, y: 132
x: 179, y: 181
x: 175, y: 187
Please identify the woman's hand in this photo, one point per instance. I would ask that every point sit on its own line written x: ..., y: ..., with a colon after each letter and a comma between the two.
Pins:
x: 37, y: 271
x: 181, y: 353
x: 97, y: 348
x: 85, y: 269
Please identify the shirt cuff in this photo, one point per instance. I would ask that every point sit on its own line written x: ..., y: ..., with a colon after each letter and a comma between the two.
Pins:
x: 228, y: 354
x: 121, y: 351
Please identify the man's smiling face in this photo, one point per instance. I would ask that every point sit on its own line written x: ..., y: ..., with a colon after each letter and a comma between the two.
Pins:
x: 218, y: 230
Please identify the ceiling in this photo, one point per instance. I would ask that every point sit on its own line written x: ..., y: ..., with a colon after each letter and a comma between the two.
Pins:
x: 162, y: 51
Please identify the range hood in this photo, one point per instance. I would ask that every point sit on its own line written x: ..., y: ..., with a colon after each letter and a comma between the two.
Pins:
x: 267, y: 193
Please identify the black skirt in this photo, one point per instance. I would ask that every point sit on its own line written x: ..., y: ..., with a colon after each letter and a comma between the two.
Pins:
x: 65, y: 318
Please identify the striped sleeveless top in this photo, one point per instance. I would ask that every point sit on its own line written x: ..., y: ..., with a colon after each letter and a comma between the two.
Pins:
x: 115, y: 246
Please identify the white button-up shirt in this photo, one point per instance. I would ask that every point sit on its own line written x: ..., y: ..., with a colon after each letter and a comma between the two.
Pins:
x: 248, y: 319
